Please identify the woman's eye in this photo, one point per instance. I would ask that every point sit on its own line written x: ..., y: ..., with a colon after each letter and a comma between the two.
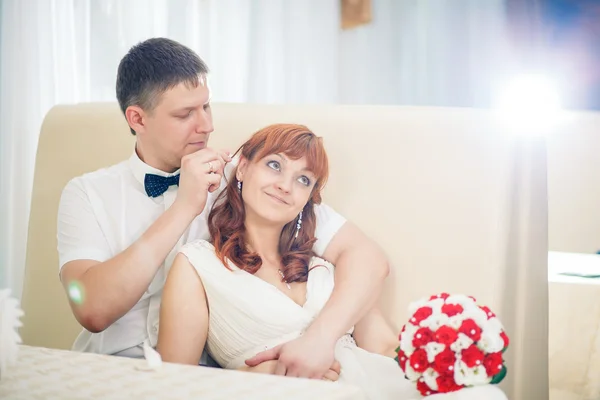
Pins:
x: 275, y: 165
x: 304, y: 180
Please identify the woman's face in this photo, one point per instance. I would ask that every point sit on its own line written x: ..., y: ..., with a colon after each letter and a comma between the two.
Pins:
x: 275, y: 188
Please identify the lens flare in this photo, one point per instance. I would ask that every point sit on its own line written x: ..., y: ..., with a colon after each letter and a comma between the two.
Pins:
x: 76, y: 292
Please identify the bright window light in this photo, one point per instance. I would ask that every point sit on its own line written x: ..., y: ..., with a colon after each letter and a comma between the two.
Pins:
x: 529, y: 104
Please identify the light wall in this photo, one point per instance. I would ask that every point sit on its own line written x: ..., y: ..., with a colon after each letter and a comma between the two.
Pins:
x: 574, y: 184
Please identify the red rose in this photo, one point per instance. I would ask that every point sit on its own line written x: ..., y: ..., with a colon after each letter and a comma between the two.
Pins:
x: 488, y: 312
x: 472, y: 356
x: 446, y: 335
x: 418, y: 360
x: 471, y: 329
x: 421, y: 314
x: 452, y: 309
x: 447, y: 384
x: 493, y: 363
x: 443, y: 363
x: 422, y: 337
x: 402, y: 360
x: 439, y: 296
x: 424, y: 389
x: 504, y: 339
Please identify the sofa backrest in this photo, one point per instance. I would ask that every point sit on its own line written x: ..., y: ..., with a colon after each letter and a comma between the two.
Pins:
x: 456, y: 202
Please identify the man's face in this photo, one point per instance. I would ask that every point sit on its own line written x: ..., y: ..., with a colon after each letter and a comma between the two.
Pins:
x: 179, y: 124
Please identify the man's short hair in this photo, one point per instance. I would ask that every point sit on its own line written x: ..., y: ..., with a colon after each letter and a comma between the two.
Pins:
x: 152, y: 67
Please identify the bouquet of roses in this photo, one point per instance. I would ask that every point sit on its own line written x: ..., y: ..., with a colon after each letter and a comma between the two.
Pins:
x: 450, y: 343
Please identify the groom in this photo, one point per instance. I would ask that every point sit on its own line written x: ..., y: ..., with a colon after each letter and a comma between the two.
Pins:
x: 119, y: 228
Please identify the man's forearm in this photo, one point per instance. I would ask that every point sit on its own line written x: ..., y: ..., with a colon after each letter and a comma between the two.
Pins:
x: 359, y: 275
x: 112, y: 288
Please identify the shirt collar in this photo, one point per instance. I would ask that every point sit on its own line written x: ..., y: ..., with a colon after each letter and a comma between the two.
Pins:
x: 140, y: 169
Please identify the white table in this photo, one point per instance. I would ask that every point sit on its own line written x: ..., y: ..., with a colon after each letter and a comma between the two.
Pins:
x: 574, y: 316
x: 47, y: 374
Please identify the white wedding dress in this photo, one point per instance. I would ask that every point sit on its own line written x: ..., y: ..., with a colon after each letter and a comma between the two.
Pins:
x: 249, y: 315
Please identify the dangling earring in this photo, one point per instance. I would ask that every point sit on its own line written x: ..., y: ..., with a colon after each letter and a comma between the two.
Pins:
x: 239, y: 186
x: 298, y: 224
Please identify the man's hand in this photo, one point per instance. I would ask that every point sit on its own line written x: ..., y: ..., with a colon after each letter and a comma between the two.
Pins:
x: 306, y: 357
x: 201, y: 173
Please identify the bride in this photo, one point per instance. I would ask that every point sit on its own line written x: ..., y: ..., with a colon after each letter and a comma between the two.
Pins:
x: 258, y: 284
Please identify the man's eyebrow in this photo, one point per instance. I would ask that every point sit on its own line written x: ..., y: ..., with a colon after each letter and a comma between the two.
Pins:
x: 187, y: 108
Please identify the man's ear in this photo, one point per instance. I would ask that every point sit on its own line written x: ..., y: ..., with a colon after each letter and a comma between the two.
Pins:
x: 136, y: 118
x: 241, y: 169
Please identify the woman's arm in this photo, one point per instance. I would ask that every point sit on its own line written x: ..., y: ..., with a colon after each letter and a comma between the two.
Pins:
x: 373, y: 333
x: 183, y: 324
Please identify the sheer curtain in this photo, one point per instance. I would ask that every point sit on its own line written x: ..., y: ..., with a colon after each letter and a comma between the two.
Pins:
x: 420, y: 52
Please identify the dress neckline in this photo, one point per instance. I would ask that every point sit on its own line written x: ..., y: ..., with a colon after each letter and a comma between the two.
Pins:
x: 269, y: 285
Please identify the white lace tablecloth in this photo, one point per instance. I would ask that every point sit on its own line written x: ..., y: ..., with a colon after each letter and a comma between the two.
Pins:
x: 47, y: 374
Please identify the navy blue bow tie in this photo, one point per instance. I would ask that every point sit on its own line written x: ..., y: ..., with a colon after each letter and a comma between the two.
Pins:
x: 156, y: 185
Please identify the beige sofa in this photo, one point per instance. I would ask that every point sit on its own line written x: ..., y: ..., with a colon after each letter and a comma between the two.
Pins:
x: 458, y: 204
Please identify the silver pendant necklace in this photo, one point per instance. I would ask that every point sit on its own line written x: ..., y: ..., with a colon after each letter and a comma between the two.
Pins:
x: 283, y: 279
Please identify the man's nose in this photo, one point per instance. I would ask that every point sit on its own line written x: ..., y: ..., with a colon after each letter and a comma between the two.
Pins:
x: 204, y: 122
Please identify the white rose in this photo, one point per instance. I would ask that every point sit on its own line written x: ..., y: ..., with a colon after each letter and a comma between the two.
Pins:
x: 461, y: 343
x: 461, y: 373
x: 436, y: 305
x: 495, y: 325
x: 406, y: 339
x: 411, y: 329
x: 464, y: 375
x: 477, y: 315
x: 433, y: 349
x: 434, y: 321
x: 479, y: 376
x: 490, y: 342
x: 411, y: 374
x: 455, y: 321
x: 429, y: 377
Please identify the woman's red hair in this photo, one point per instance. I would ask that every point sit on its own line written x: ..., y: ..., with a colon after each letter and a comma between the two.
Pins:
x: 226, y: 219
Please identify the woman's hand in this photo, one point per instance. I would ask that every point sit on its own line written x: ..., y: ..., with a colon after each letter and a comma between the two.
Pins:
x: 269, y: 367
x: 334, y: 372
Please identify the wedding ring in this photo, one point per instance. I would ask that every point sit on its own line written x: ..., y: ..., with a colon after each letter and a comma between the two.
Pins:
x: 210, y: 167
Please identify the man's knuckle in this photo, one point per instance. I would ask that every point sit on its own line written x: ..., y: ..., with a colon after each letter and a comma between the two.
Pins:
x: 290, y: 363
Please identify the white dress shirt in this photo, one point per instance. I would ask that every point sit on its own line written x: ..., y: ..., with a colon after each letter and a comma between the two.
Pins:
x: 103, y: 212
